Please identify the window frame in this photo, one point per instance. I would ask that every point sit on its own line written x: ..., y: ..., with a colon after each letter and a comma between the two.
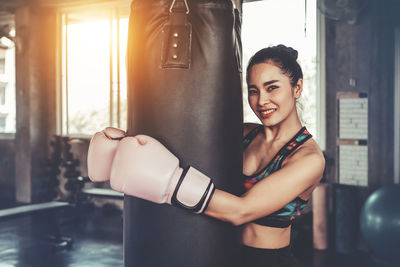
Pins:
x: 396, y: 156
x: 9, y: 135
x: 113, y: 15
x: 321, y: 81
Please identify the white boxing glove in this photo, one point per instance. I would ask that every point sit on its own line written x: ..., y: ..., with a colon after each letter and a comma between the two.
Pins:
x: 101, y: 153
x: 144, y: 168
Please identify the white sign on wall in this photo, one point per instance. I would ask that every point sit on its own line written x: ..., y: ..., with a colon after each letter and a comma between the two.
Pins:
x: 353, y: 138
x: 353, y: 118
x: 353, y: 162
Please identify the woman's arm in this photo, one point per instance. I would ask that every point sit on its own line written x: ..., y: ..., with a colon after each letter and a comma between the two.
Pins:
x: 271, y: 193
x: 144, y: 168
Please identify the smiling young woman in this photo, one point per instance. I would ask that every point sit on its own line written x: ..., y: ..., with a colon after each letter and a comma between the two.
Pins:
x: 282, y: 165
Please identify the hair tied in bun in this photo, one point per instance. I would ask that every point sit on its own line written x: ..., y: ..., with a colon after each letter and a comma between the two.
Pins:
x: 289, y: 50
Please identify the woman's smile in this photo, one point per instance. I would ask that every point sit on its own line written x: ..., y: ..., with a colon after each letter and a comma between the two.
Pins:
x: 266, y: 113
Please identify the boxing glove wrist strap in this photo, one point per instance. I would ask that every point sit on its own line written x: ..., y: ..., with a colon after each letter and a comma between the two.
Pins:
x: 186, y: 194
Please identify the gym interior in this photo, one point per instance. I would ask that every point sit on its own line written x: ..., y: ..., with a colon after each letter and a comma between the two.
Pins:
x: 63, y: 77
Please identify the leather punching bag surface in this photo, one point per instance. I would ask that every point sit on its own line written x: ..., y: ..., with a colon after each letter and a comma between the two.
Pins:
x: 184, y: 77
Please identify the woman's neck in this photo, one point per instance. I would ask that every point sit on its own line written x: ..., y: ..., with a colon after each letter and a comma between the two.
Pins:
x: 285, y: 130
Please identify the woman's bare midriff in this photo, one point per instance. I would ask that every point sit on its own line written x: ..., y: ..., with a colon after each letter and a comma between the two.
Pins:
x: 260, y: 236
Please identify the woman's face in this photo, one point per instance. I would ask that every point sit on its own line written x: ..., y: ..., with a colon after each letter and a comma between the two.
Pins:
x: 270, y: 94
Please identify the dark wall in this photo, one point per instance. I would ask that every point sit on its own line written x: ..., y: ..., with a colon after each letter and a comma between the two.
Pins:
x: 363, y: 51
x: 7, y: 171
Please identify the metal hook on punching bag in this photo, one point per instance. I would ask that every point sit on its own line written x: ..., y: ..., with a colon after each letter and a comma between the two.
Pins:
x: 179, y: 1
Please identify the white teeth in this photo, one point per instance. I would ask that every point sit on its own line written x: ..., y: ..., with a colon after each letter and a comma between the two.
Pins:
x: 267, y: 111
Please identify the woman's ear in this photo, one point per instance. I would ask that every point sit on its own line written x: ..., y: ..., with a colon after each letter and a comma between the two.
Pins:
x: 298, y: 89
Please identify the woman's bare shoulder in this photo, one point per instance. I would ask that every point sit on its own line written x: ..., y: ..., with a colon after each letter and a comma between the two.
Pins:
x: 309, y: 149
x: 248, y: 126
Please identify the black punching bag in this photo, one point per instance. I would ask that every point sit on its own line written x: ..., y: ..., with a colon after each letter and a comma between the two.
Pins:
x: 184, y: 77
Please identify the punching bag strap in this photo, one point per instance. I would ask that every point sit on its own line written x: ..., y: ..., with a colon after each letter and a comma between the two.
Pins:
x: 177, y: 37
x: 179, y: 6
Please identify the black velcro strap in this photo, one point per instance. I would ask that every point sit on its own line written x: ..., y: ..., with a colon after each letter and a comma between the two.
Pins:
x: 174, y: 200
x: 197, y: 207
x: 209, y: 199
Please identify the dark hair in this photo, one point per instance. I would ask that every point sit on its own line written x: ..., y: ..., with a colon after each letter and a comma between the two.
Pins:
x: 283, y: 57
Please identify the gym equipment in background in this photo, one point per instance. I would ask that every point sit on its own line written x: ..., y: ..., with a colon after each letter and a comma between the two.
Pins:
x: 380, y: 223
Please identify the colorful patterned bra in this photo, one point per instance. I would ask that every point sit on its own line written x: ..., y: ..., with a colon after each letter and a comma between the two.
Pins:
x: 281, y: 218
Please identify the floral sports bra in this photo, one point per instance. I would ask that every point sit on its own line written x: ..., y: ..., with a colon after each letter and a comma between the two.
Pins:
x: 281, y: 218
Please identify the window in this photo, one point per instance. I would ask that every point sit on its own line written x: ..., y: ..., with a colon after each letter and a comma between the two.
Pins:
x: 2, y: 123
x: 294, y: 27
x: 94, y: 90
x: 3, y: 93
x: 3, y: 60
x: 7, y: 82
